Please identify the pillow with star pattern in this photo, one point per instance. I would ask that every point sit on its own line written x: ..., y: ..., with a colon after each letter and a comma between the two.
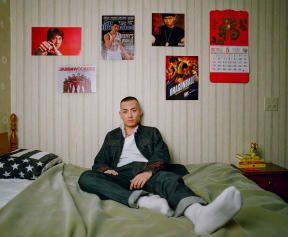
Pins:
x: 26, y: 164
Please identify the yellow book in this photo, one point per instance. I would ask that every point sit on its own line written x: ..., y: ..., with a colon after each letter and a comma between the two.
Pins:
x: 250, y: 166
x: 249, y: 157
x: 248, y: 163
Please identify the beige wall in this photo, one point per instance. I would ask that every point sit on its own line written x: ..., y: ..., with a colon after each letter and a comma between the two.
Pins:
x: 4, y: 65
x: 225, y: 119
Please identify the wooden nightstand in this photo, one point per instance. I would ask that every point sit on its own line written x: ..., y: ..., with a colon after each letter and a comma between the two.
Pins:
x: 272, y: 178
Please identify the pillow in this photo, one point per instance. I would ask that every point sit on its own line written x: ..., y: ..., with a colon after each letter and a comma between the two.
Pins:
x: 26, y: 164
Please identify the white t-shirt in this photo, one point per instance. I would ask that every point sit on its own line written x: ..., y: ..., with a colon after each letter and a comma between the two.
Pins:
x: 114, y: 53
x: 130, y: 152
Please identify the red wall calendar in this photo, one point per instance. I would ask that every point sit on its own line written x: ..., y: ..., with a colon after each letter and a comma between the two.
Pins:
x: 229, y: 52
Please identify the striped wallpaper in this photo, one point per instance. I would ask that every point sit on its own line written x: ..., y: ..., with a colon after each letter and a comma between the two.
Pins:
x: 225, y: 119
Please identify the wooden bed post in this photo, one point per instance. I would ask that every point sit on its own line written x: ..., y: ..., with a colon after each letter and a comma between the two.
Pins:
x: 13, y: 137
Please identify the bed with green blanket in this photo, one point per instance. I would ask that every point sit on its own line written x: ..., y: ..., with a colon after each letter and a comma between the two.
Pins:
x: 54, y: 206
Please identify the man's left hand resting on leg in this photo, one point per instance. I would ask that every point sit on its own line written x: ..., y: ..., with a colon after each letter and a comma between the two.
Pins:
x: 140, y: 180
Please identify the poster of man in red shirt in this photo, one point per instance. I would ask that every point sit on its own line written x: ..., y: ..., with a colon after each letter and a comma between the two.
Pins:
x: 56, y: 41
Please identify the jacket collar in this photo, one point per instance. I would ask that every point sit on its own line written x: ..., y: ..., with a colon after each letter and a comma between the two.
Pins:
x: 123, y: 129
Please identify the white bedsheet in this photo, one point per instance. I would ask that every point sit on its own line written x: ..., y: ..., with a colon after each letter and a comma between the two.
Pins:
x: 9, y: 188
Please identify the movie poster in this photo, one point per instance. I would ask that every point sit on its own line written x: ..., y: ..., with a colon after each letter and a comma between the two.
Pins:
x: 118, y: 37
x: 182, y: 77
x: 168, y: 29
x: 56, y: 41
x: 77, y: 79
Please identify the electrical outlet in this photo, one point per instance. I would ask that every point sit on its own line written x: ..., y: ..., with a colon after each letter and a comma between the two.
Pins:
x: 271, y: 103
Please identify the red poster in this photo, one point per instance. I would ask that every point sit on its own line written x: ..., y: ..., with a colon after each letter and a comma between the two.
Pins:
x: 168, y: 29
x: 56, y: 41
x: 229, y: 54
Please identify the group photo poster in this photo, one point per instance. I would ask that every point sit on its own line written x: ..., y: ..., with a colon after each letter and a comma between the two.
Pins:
x: 229, y: 52
x: 77, y: 79
x: 182, y: 77
x: 118, y: 37
x: 56, y: 41
x: 168, y: 29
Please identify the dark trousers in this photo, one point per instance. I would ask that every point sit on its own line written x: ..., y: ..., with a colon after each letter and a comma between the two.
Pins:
x: 164, y: 183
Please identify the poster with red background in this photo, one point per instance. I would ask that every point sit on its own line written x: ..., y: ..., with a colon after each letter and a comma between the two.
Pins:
x: 170, y: 36
x: 229, y: 59
x: 71, y: 43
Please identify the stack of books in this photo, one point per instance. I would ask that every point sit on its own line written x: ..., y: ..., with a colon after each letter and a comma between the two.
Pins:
x: 248, y: 161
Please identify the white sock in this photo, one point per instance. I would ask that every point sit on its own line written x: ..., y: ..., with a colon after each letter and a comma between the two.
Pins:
x: 207, y: 219
x: 155, y: 203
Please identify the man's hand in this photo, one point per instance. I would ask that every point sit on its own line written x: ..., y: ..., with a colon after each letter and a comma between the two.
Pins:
x: 111, y: 172
x: 43, y: 48
x: 54, y: 49
x: 140, y: 180
x: 47, y: 47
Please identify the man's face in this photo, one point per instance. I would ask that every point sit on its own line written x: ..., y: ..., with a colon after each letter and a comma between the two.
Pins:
x: 130, y: 113
x: 115, y: 28
x: 57, y: 41
x: 169, y: 21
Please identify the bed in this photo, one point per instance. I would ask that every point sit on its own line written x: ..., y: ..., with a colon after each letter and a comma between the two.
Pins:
x: 10, y: 187
x: 52, y: 204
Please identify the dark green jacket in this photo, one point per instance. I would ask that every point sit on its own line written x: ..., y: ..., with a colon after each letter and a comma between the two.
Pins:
x: 149, y: 142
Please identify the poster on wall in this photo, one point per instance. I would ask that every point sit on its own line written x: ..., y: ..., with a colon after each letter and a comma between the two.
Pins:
x: 168, y: 29
x: 229, y: 55
x: 182, y: 77
x: 118, y: 37
x: 77, y: 79
x: 56, y: 41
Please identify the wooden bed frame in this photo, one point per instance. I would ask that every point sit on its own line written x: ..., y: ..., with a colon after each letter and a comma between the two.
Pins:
x: 7, y: 145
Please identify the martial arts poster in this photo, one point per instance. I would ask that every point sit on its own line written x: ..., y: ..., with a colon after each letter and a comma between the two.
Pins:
x: 118, y: 37
x: 56, y: 41
x: 229, y: 54
x: 182, y: 77
x: 77, y: 79
x: 168, y: 29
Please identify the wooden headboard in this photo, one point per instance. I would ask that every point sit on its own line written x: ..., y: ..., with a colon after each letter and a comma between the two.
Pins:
x: 11, y: 144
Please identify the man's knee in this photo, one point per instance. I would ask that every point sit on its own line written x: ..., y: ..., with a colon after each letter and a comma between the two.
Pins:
x: 87, y: 179
x: 166, y: 176
x: 82, y: 181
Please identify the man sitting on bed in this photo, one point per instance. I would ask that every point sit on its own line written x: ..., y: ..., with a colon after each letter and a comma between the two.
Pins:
x: 130, y: 169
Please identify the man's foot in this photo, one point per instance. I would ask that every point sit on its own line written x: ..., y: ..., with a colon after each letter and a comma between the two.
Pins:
x: 155, y: 203
x: 209, y: 218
